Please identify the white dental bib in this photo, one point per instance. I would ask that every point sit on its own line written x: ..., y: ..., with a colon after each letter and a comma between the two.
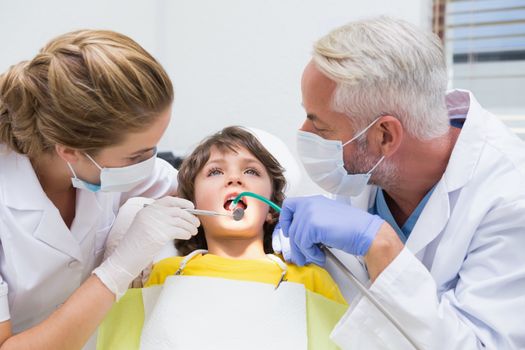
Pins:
x: 199, y: 312
x: 194, y: 312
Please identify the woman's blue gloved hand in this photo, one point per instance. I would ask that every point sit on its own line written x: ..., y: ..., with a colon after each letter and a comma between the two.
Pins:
x: 310, y: 221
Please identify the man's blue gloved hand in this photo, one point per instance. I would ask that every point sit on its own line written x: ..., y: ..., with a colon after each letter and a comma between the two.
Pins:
x: 310, y: 221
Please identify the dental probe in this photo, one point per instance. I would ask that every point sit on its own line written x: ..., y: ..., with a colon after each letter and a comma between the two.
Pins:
x: 237, y: 214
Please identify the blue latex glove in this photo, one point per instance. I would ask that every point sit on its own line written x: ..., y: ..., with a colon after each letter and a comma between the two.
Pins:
x: 310, y: 221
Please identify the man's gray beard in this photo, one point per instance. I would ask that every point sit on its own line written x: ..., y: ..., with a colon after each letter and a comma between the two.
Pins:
x: 385, y: 175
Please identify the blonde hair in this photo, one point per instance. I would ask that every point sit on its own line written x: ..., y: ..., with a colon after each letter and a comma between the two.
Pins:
x: 387, y: 66
x: 83, y: 90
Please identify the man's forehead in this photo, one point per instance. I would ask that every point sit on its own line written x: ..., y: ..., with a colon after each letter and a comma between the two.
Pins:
x: 316, y: 87
x: 313, y: 74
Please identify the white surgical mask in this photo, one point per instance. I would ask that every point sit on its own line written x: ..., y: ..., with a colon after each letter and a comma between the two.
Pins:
x: 323, y: 161
x: 117, y: 179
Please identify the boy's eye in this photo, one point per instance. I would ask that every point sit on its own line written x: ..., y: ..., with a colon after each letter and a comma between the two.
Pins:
x: 252, y: 171
x: 214, y: 172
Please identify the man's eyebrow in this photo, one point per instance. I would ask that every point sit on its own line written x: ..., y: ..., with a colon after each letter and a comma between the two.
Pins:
x: 312, y: 117
x: 316, y: 121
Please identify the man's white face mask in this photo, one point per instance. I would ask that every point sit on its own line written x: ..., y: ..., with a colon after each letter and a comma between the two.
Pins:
x: 323, y: 161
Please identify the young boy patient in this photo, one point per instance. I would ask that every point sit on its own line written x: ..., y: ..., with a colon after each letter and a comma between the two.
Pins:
x: 222, y: 166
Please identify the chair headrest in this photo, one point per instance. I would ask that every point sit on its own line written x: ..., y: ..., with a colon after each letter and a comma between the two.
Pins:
x: 284, y: 156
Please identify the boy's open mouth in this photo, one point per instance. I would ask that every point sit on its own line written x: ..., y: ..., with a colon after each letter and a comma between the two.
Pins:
x: 241, y: 204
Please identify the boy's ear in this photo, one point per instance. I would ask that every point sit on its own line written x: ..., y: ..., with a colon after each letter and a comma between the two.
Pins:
x: 269, y: 218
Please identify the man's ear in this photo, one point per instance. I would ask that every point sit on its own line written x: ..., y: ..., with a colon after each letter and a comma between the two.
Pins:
x: 68, y: 154
x: 389, y: 133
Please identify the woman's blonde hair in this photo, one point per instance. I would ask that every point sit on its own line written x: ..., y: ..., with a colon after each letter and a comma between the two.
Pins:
x: 83, y: 90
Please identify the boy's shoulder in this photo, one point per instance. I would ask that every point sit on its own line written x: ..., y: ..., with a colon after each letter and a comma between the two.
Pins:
x: 307, y: 270
x: 168, y: 263
x: 162, y: 269
x: 316, y: 279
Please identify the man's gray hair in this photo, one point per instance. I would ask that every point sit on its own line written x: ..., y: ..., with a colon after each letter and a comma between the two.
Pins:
x: 387, y: 66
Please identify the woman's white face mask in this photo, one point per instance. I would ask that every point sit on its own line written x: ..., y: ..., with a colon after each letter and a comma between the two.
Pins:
x: 116, y: 179
x: 323, y: 161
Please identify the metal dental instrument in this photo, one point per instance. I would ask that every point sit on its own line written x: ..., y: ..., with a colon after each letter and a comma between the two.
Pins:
x: 237, y: 214
x: 360, y: 286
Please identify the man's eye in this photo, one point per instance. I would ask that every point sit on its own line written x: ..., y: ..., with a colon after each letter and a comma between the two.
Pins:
x: 252, y: 171
x: 214, y: 172
x: 320, y: 130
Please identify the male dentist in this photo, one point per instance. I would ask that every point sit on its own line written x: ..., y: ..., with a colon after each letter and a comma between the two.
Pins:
x: 437, y: 187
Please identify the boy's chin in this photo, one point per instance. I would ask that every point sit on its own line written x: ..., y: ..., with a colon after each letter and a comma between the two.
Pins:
x: 229, y: 227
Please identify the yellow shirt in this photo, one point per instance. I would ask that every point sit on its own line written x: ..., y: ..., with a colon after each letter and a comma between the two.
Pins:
x: 313, y: 277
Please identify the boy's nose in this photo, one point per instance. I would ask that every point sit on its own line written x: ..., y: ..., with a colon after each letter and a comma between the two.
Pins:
x: 234, y: 180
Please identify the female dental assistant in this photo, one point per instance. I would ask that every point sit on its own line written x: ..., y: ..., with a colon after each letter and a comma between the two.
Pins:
x: 79, y: 125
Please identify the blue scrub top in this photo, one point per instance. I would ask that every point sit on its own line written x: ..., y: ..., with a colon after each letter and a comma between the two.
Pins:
x: 381, y: 208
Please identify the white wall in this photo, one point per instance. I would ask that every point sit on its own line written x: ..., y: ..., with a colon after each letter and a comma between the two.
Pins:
x: 231, y: 61
x: 26, y: 25
x: 240, y: 62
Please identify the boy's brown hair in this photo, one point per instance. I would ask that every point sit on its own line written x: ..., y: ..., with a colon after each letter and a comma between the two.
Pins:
x: 229, y: 139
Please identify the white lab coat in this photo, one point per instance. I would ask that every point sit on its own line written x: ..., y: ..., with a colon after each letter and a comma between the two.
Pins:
x: 42, y: 262
x: 459, y: 283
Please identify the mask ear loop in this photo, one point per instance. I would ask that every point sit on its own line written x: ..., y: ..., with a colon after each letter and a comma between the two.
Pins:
x: 93, y: 161
x: 98, y: 166
x: 73, y: 171
x: 362, y: 131
x: 375, y: 166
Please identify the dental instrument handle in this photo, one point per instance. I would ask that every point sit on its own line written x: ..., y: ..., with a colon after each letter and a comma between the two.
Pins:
x: 206, y: 212
x: 256, y: 196
x: 368, y: 295
x: 236, y: 215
